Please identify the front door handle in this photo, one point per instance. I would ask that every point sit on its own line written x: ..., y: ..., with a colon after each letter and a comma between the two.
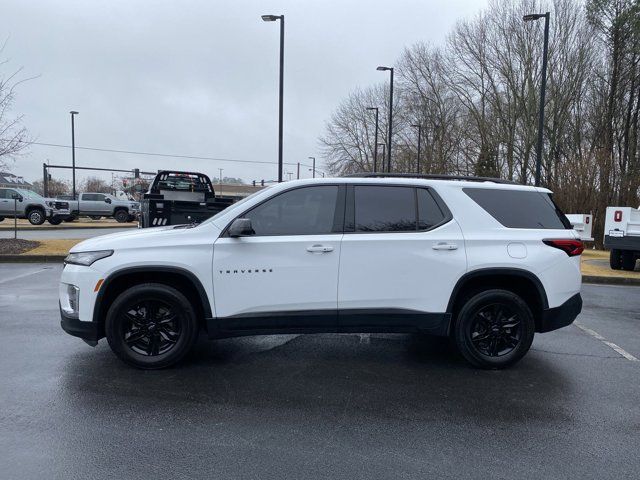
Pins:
x: 445, y: 246
x: 319, y: 249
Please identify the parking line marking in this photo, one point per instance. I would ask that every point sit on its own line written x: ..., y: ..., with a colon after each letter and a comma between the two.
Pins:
x: 609, y: 344
x: 22, y: 275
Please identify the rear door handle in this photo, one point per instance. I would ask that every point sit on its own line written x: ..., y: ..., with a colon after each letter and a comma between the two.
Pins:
x: 445, y: 246
x: 319, y: 249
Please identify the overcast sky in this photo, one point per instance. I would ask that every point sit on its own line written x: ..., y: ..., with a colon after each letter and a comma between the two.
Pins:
x: 200, y: 77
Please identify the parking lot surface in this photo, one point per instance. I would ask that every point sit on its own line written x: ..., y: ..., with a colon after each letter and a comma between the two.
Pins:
x: 317, y: 406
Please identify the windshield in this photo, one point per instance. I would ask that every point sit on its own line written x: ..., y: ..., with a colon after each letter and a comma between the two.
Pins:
x: 29, y: 194
x: 234, y: 206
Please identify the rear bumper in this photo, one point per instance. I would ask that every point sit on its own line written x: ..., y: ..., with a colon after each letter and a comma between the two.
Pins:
x: 628, y: 242
x: 88, y: 331
x: 558, y: 317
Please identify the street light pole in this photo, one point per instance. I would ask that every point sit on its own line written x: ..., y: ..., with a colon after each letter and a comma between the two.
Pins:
x: 313, y: 166
x: 273, y: 18
x: 73, y: 152
x: 375, y: 148
x: 543, y: 89
x: 419, y: 127
x: 390, y: 69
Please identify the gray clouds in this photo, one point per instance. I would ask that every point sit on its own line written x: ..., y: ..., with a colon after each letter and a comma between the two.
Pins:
x: 198, y: 77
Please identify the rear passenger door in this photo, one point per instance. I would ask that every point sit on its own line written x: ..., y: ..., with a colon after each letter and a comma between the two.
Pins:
x: 401, y: 254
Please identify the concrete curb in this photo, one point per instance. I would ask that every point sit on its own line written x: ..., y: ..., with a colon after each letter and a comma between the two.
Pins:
x: 52, y: 227
x: 610, y: 280
x: 32, y: 258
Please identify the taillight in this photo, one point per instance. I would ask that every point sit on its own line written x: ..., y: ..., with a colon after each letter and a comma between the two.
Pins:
x: 570, y: 247
x: 617, y: 216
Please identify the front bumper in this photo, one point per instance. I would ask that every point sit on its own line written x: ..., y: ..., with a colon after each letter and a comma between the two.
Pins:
x: 87, y: 331
x: 558, y: 317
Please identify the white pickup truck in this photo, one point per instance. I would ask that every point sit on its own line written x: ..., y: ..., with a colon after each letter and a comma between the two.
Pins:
x: 622, y: 237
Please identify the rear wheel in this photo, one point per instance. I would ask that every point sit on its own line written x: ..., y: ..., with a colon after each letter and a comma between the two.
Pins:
x: 628, y: 260
x: 151, y: 326
x: 36, y: 216
x: 494, y: 329
x: 121, y: 216
x: 615, y: 259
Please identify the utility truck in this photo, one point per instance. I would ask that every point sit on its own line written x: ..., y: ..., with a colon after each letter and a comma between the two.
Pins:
x: 622, y: 237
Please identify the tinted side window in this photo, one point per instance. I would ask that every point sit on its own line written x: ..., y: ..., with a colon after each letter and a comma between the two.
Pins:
x: 429, y: 213
x: 88, y: 197
x: 385, y: 209
x: 3, y: 193
x: 98, y: 198
x: 519, y: 208
x: 303, y: 211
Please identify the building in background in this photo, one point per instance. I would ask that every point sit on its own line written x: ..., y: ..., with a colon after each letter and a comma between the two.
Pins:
x: 8, y: 179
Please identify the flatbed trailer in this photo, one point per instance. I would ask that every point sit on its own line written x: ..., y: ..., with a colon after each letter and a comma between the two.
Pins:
x: 176, y: 198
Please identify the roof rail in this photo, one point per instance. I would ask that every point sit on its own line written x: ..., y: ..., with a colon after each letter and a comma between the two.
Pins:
x: 431, y: 177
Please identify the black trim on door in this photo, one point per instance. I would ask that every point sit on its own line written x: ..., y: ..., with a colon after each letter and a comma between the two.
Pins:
x: 375, y: 320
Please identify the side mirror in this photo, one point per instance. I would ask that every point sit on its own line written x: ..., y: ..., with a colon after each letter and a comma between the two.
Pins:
x: 107, y: 200
x: 241, y: 227
x: 17, y: 197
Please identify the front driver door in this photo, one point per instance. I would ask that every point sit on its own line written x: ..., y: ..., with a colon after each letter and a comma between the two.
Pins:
x: 285, y: 276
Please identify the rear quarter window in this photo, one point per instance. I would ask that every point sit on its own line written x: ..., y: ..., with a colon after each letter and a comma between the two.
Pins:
x: 520, y: 208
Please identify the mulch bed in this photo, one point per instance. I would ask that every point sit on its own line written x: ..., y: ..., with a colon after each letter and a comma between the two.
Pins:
x: 11, y: 246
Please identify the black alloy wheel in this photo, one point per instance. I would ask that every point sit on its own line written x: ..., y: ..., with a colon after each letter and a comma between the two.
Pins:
x: 496, y: 330
x: 493, y: 328
x: 151, y: 326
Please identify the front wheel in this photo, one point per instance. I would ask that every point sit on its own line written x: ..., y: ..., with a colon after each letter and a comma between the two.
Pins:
x: 36, y: 216
x: 494, y: 329
x: 121, y: 216
x: 151, y: 326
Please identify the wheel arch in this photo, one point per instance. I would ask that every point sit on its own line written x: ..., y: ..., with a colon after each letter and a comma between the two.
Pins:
x: 522, y: 282
x: 179, y: 278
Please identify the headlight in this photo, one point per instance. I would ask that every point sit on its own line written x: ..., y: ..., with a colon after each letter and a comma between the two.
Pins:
x: 87, y: 258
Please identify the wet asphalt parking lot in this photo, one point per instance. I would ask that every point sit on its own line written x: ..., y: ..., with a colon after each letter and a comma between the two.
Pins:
x: 317, y: 406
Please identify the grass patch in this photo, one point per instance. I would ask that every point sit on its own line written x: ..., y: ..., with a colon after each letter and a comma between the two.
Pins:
x: 53, y: 247
x: 596, y: 262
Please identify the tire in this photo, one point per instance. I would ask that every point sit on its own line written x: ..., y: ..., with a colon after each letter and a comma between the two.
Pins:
x: 70, y: 219
x: 1, y: 219
x: 132, y: 218
x: 151, y: 347
x: 615, y: 259
x: 121, y: 216
x: 55, y: 220
x: 95, y: 217
x: 36, y: 216
x: 495, y: 315
x: 628, y: 260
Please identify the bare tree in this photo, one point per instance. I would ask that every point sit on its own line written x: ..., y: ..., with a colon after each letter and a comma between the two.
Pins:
x: 13, y: 135
x: 95, y: 185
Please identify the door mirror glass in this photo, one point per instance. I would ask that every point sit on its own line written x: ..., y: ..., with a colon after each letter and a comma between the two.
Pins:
x: 17, y: 197
x: 241, y: 227
x: 107, y: 200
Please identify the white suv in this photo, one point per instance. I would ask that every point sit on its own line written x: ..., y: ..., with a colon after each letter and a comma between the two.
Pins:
x: 485, y: 262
